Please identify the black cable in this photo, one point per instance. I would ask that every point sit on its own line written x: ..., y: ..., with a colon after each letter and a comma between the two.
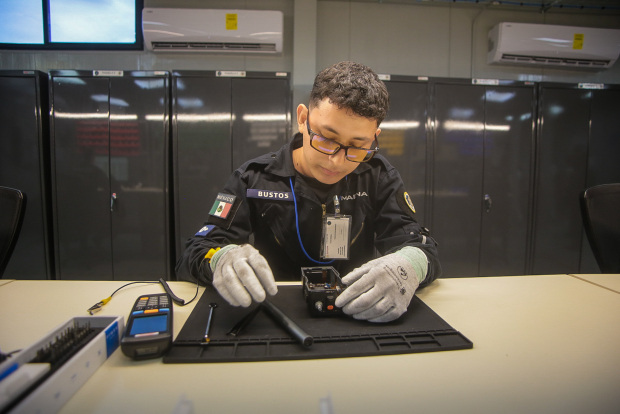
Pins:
x: 97, y: 306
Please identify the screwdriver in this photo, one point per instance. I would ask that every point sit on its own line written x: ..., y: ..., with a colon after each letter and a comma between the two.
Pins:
x: 212, y: 306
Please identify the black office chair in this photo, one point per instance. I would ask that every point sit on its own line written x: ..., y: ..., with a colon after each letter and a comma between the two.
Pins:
x: 12, y: 208
x: 600, y: 210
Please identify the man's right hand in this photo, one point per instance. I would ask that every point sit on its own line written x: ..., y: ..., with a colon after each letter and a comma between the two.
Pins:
x: 241, y: 271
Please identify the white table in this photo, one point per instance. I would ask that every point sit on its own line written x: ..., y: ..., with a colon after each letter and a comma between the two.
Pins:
x: 542, y: 344
x: 607, y: 281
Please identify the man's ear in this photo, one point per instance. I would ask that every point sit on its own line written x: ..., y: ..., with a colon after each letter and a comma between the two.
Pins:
x: 378, y: 131
x: 302, y: 116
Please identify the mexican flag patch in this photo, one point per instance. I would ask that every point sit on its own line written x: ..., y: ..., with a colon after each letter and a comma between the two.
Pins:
x: 223, y: 204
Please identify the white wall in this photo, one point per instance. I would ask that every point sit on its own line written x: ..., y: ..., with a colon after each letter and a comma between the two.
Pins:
x: 405, y: 39
x: 446, y: 41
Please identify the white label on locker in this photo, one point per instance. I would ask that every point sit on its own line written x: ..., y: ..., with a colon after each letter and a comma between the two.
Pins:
x: 281, y: 73
x: 591, y: 86
x: 160, y: 72
x: 384, y: 77
x: 107, y: 73
x: 485, y: 81
x: 422, y: 78
x: 231, y: 73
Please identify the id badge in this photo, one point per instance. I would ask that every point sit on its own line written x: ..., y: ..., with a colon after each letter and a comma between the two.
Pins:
x: 336, y: 235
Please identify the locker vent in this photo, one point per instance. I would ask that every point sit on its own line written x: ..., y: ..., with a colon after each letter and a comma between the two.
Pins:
x: 214, y: 47
x: 582, y: 63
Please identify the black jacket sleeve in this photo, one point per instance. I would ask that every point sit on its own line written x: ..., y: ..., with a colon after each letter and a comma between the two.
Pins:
x: 396, y: 226
x: 236, y: 229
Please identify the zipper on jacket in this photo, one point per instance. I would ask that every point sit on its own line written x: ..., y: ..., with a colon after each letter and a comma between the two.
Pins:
x: 324, y: 210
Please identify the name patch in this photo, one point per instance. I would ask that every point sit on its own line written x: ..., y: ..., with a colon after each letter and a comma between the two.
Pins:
x: 270, y: 195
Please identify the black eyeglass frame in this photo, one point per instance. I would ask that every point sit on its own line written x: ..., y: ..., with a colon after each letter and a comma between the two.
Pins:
x: 371, y: 151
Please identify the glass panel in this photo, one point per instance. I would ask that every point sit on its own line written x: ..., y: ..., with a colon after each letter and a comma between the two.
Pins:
x: 85, y: 21
x: 21, y: 21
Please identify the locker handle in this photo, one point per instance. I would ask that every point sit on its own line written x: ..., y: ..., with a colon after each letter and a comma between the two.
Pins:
x: 112, y: 200
x: 488, y: 202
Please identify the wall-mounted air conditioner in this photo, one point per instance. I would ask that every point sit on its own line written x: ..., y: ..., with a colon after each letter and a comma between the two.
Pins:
x: 207, y: 30
x: 551, y: 45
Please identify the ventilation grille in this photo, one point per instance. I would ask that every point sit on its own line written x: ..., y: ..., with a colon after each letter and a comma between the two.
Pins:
x: 214, y: 47
x: 580, y: 63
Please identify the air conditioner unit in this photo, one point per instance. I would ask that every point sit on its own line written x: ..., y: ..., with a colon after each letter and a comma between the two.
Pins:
x: 207, y: 30
x: 551, y: 45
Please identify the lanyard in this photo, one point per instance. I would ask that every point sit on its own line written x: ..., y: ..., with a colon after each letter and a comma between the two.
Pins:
x: 297, y: 225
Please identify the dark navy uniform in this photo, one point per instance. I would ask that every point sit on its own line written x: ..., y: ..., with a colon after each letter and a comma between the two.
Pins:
x: 373, y: 195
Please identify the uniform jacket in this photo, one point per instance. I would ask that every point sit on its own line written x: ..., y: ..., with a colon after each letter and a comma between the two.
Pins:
x: 373, y: 194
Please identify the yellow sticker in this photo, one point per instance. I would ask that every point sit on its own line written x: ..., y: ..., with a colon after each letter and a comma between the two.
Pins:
x: 231, y: 21
x: 409, y: 202
x: 578, y: 41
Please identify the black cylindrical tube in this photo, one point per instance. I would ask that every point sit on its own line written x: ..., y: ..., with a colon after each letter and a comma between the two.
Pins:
x: 288, y: 324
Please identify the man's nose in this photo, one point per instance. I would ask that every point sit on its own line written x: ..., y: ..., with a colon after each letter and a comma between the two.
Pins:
x: 338, y: 158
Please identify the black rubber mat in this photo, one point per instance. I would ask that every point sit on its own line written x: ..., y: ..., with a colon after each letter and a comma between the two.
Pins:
x: 418, y: 330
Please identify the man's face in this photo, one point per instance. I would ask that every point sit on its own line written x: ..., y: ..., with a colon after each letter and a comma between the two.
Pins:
x: 340, y: 125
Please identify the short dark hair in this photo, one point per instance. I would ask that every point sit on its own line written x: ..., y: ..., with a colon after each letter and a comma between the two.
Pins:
x: 353, y: 86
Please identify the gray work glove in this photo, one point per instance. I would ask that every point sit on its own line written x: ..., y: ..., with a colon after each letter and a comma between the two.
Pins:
x: 380, y: 290
x: 241, y: 271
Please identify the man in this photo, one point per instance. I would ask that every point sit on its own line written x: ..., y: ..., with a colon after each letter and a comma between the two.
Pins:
x: 290, y: 201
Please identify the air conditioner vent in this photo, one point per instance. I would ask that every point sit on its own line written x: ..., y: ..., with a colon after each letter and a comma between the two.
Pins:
x: 553, y: 61
x: 212, y: 30
x: 566, y: 47
x: 215, y: 46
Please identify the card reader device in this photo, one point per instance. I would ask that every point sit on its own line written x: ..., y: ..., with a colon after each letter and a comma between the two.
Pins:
x: 149, y: 327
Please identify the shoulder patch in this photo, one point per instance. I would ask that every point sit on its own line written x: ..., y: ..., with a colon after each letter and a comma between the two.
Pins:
x: 224, y: 210
x: 222, y: 205
x: 409, y: 202
x: 406, y: 205
x: 205, y: 230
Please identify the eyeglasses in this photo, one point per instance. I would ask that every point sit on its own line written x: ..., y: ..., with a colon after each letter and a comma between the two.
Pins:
x: 330, y: 147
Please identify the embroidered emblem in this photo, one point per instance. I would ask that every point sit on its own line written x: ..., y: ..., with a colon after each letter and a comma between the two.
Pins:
x: 222, y: 205
x: 409, y: 202
x: 205, y: 230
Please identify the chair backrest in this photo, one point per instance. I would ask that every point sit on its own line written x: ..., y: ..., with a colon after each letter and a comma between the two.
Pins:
x: 600, y: 210
x: 12, y: 208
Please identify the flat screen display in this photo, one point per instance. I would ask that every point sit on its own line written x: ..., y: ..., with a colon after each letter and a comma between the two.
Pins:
x: 103, y: 21
x: 71, y: 24
x: 147, y: 324
x: 21, y: 21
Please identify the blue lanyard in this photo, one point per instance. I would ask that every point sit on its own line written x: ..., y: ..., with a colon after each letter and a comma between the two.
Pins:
x: 290, y: 180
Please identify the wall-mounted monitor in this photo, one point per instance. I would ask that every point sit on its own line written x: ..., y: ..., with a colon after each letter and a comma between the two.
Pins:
x: 71, y: 24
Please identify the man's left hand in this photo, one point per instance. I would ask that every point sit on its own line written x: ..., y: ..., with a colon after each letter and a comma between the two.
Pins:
x: 380, y: 290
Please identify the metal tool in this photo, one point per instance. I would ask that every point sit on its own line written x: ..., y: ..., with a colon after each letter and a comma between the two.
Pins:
x: 240, y: 326
x: 287, y: 323
x: 212, y: 306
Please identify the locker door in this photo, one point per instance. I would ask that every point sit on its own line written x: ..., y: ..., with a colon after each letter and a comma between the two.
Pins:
x: 403, y: 138
x: 604, y: 145
x: 202, y: 149
x: 138, y: 177
x: 561, y: 176
x: 457, y: 176
x: 21, y: 167
x: 259, y: 110
x: 603, y: 151
x: 508, y: 141
x: 82, y: 182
